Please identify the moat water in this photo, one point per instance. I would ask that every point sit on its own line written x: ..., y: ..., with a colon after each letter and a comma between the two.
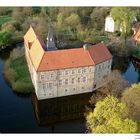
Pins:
x: 20, y: 114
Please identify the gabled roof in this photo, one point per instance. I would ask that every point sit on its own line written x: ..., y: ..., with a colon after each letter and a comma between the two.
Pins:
x: 99, y: 53
x: 31, y: 36
x: 137, y: 35
x: 62, y: 59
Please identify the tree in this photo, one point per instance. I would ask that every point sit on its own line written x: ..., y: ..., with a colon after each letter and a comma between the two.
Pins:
x: 5, y: 38
x: 98, y: 17
x: 20, y: 14
x: 8, y: 26
x: 73, y: 20
x: 131, y: 97
x: 41, y: 26
x: 123, y: 17
x: 115, y: 86
x: 4, y: 11
x: 110, y: 116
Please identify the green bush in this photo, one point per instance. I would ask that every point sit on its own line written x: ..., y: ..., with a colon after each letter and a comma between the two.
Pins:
x: 5, y: 38
x: 22, y: 87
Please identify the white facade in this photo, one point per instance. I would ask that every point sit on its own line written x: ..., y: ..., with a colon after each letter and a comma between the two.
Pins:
x: 109, y: 24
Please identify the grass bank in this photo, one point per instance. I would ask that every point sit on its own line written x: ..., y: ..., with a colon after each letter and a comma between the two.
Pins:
x: 17, y: 74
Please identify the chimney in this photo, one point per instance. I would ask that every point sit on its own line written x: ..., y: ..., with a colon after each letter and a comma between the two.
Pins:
x: 85, y: 46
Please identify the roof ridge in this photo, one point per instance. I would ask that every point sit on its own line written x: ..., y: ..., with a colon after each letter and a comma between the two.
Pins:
x: 40, y: 61
x: 90, y: 56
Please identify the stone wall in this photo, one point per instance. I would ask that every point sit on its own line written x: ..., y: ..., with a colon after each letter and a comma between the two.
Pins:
x: 72, y: 81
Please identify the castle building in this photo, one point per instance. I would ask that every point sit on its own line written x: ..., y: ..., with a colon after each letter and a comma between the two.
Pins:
x: 57, y: 73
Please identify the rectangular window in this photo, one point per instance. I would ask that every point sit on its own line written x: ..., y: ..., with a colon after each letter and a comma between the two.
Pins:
x: 109, y: 62
x: 72, y: 80
x: 78, y: 79
x: 66, y: 81
x: 44, y: 86
x: 90, y: 69
x: 73, y: 72
x: 79, y: 70
x: 47, y: 85
x: 84, y: 79
x: 103, y: 66
x: 84, y: 70
x: 66, y: 72
x: 50, y: 85
x: 94, y: 86
x: 60, y: 73
x: 96, y: 68
x: 51, y: 75
x: 60, y: 82
x: 42, y: 76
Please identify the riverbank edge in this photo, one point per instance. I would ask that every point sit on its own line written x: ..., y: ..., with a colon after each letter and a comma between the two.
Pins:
x: 18, y: 86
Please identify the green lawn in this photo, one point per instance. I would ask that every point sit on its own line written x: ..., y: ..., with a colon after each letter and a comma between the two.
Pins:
x: 4, y: 19
x: 21, y: 69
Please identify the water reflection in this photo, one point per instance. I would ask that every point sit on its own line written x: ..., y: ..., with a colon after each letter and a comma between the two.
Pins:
x: 60, y: 109
x: 136, y: 64
x: 121, y: 63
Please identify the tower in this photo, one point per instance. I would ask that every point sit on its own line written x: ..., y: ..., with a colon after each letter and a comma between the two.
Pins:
x: 51, y: 40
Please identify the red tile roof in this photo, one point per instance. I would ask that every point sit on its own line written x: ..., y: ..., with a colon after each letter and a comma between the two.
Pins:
x: 137, y: 35
x: 99, y: 53
x: 63, y: 59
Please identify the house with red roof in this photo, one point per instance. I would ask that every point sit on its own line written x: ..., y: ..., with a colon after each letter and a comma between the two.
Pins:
x: 56, y: 73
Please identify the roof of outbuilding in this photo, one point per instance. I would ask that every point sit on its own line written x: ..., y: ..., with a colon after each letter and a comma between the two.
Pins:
x: 63, y: 59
